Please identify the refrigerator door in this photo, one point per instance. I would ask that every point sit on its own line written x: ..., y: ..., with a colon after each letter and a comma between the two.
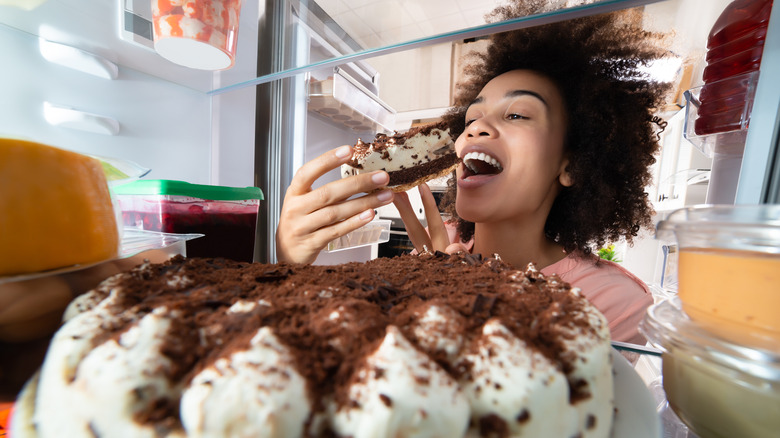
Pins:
x: 759, y: 172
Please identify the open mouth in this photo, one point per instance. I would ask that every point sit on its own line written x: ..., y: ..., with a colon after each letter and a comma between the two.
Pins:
x: 479, y: 163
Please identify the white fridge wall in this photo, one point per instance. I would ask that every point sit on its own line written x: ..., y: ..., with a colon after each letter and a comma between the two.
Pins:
x: 163, y: 126
x: 233, y: 138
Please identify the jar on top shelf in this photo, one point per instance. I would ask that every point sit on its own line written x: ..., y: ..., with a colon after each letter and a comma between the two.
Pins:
x: 734, y: 48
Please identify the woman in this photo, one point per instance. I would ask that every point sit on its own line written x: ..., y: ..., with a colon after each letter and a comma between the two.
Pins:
x: 564, y: 118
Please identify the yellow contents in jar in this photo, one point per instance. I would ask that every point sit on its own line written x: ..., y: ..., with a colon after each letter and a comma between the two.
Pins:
x: 731, y: 285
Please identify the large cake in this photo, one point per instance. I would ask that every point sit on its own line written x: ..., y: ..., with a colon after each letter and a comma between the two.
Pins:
x: 410, y: 158
x: 414, y: 346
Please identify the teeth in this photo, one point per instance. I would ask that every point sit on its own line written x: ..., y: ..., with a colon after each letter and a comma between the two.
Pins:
x: 481, y: 156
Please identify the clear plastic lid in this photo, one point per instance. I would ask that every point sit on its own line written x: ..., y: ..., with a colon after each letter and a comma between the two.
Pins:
x: 667, y: 327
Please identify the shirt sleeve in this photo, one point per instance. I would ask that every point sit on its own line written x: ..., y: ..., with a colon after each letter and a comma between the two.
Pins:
x: 619, y: 295
x: 624, y: 306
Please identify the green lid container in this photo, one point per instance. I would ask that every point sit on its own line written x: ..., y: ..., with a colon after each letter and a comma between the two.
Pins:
x: 181, y: 188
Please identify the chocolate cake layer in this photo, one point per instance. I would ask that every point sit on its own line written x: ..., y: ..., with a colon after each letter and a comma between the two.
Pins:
x: 410, y: 175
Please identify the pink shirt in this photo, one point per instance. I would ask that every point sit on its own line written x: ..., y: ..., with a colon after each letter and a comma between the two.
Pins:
x: 618, y: 294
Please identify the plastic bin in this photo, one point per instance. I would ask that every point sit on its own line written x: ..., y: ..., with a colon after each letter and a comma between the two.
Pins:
x: 227, y: 216
x: 377, y: 231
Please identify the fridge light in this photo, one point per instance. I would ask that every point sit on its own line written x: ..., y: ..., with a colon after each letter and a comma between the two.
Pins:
x: 77, y: 59
x: 663, y: 69
x: 65, y: 117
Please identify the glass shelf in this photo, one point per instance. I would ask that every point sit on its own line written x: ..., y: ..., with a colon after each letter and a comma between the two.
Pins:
x: 352, y: 30
x: 390, y: 27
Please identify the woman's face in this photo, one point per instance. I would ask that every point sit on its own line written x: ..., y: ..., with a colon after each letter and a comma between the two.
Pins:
x: 512, y: 150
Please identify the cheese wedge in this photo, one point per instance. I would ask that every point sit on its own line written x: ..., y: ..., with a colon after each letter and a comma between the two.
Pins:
x: 55, y: 209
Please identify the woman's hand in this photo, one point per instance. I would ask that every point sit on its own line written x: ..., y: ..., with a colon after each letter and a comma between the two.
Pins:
x: 436, y: 237
x: 312, y: 218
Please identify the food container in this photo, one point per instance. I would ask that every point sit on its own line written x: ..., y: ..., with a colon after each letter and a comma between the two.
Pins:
x: 729, y: 268
x: 201, y: 34
x: 719, y: 388
x: 227, y: 216
x: 376, y: 231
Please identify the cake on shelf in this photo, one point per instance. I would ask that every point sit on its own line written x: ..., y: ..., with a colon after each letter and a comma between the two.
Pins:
x: 429, y: 345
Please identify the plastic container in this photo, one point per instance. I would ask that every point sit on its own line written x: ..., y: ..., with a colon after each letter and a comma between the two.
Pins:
x: 734, y: 47
x: 729, y: 268
x: 199, y: 34
x: 227, y: 216
x: 719, y: 388
x: 377, y: 231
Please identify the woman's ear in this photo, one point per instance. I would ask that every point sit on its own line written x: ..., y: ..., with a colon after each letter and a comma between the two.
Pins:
x: 564, y: 177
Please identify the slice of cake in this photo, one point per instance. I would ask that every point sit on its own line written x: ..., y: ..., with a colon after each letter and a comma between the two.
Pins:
x: 429, y: 345
x: 412, y: 158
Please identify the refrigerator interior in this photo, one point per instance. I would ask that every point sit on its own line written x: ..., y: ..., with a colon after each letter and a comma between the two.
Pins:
x: 218, y: 128
x: 684, y: 174
x: 205, y: 127
x: 73, y: 77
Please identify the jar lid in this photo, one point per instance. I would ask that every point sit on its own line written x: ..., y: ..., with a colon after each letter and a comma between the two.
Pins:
x: 668, y: 327
x: 742, y: 227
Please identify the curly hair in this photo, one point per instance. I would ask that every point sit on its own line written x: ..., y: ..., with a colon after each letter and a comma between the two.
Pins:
x: 612, y: 133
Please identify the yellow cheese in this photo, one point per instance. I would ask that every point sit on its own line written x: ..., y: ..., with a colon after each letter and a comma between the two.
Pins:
x: 55, y: 209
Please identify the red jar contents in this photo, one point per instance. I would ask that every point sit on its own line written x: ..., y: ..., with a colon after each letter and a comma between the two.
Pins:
x: 229, y: 235
x: 734, y: 49
x: 176, y: 207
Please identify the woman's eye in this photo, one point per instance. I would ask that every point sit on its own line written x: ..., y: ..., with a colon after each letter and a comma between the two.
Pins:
x: 516, y: 116
x: 469, y: 121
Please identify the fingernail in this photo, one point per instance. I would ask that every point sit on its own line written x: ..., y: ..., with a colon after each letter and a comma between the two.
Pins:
x: 343, y: 151
x: 379, y: 178
x: 384, y: 195
x: 366, y: 214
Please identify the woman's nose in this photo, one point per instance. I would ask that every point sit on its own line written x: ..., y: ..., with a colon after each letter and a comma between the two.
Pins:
x: 480, y: 128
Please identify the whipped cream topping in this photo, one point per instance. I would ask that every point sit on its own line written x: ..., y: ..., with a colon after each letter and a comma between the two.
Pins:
x: 437, y: 330
x: 517, y: 385
x: 103, y: 399
x: 255, y: 392
x: 592, y: 370
x: 401, y: 392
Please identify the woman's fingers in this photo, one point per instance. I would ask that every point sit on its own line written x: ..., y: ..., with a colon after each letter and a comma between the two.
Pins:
x: 311, y: 218
x: 312, y: 170
x: 436, y: 228
x: 336, y: 212
x: 455, y: 248
x: 414, y: 228
x: 303, y: 245
x: 340, y: 190
x: 325, y: 206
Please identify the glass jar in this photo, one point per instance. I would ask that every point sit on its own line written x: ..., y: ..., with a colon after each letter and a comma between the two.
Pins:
x: 735, y: 46
x: 729, y: 267
x: 717, y: 387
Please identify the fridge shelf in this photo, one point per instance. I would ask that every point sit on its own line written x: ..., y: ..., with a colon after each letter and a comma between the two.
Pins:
x: 396, y: 26
x: 345, y: 102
